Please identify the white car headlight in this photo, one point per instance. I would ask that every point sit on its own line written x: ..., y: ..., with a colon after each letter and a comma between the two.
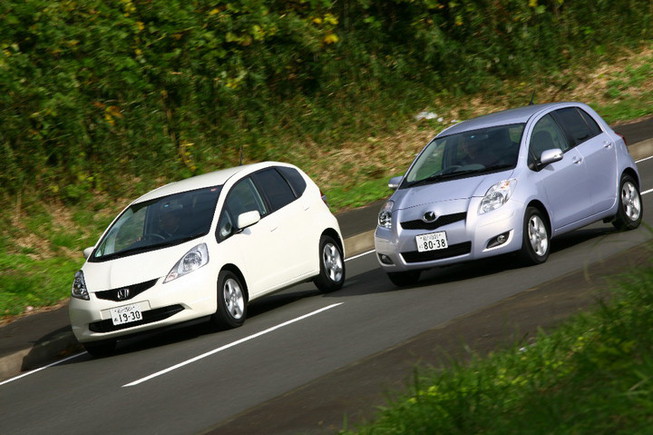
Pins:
x: 385, y: 215
x: 79, y: 290
x: 190, y: 262
x: 497, y: 195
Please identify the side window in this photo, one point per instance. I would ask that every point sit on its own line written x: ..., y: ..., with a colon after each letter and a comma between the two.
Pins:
x: 594, y: 128
x: 576, y: 125
x: 295, y: 179
x: 546, y: 135
x: 243, y: 197
x: 274, y: 187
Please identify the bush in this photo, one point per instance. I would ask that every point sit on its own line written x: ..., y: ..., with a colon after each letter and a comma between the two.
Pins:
x: 95, y: 95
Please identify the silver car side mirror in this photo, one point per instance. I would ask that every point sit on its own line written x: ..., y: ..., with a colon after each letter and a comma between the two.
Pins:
x: 550, y: 156
x: 394, y: 182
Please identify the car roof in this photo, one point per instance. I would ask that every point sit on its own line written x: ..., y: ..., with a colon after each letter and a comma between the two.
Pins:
x: 518, y: 115
x: 210, y: 179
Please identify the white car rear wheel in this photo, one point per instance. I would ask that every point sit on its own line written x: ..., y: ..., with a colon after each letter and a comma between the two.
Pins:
x: 332, y: 266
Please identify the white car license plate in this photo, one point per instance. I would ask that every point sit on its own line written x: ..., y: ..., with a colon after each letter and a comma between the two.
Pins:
x: 431, y: 241
x: 126, y: 314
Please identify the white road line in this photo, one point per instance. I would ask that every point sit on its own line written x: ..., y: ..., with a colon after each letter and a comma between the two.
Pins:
x: 40, y: 368
x: 227, y: 346
x: 644, y: 159
x: 647, y: 192
x: 359, y: 255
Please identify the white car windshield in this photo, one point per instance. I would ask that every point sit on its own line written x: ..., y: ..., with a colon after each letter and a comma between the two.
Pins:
x: 158, y: 223
x: 467, y: 153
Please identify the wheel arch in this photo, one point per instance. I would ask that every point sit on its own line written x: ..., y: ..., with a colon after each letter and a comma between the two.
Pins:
x: 632, y: 173
x: 235, y: 270
x: 335, y: 236
x: 545, y: 214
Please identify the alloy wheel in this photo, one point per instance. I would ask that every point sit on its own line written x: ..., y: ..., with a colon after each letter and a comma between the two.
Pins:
x: 233, y: 298
x: 538, y: 236
x: 332, y: 262
x: 630, y: 201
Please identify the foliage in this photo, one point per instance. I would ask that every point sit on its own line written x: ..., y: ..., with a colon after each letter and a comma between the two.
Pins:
x: 116, y: 95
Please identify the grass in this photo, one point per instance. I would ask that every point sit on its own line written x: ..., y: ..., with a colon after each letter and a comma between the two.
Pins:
x: 592, y: 375
x: 40, y: 244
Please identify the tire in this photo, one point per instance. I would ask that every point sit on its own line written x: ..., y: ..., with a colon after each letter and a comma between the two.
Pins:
x: 629, y: 215
x: 404, y: 279
x: 99, y: 349
x: 332, y: 266
x: 536, y: 243
x: 232, y: 301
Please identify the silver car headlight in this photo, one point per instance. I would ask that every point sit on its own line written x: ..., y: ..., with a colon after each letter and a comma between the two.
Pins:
x: 385, y: 215
x: 497, y: 195
x: 190, y: 262
x: 79, y: 290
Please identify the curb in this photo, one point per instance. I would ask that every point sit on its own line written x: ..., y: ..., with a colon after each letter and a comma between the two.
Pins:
x: 359, y: 244
x: 641, y: 149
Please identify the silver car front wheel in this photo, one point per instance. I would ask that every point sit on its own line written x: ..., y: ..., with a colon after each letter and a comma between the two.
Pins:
x: 536, y: 240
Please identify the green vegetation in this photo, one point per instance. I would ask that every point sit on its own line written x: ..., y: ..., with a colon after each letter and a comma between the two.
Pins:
x: 96, y: 94
x: 101, y: 101
x: 592, y: 375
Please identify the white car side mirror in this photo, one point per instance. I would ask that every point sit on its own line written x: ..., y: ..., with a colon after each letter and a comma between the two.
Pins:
x: 88, y: 252
x: 248, y: 219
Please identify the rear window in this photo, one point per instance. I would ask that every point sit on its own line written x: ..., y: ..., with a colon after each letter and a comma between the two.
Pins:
x: 578, y: 125
x: 275, y: 188
x: 295, y: 179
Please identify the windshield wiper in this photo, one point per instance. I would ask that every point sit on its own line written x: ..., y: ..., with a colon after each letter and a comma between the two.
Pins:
x: 448, y: 176
x: 457, y: 174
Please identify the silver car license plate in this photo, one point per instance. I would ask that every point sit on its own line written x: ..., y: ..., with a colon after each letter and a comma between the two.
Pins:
x: 431, y: 241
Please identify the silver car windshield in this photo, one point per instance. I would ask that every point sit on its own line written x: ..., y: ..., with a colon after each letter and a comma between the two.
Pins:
x: 158, y: 223
x: 468, y: 153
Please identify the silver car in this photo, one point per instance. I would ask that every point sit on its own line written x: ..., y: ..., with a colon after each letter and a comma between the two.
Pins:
x: 506, y: 182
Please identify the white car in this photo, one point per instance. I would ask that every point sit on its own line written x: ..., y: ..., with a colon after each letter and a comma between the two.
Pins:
x: 205, y: 247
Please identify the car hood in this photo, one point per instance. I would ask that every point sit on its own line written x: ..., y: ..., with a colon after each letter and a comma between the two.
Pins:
x: 133, y: 269
x: 462, y: 188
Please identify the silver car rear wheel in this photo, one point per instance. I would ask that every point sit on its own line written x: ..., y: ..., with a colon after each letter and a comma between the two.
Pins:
x: 629, y: 215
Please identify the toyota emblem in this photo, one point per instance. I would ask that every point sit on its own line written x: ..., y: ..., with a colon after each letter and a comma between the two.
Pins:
x: 429, y: 217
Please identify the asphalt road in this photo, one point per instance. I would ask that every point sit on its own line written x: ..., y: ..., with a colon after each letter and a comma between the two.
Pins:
x: 301, y: 351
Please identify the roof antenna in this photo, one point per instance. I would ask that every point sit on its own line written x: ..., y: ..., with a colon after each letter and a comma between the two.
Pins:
x: 532, y: 98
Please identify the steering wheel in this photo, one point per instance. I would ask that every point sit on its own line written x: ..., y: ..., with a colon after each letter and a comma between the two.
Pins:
x: 449, y: 169
x: 155, y: 236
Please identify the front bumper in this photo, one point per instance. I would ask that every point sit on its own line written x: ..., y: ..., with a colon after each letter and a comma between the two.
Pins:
x: 186, y: 298
x: 470, y: 236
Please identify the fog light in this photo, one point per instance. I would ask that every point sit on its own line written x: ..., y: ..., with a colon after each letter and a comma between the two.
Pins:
x: 498, y: 240
x: 385, y: 259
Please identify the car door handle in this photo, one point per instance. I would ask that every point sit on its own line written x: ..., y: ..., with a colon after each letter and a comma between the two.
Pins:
x: 607, y: 144
x: 577, y: 160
